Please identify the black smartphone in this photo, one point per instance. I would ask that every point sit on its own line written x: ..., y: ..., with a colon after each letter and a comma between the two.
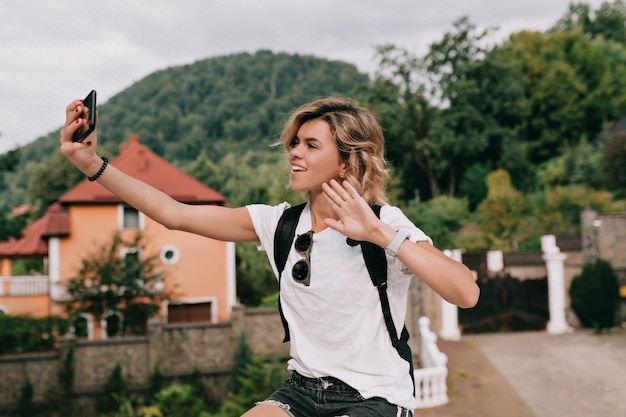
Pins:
x: 90, y: 103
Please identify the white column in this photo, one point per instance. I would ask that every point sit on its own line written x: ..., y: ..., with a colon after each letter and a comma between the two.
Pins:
x: 495, y: 261
x: 57, y: 291
x: 450, y: 312
x: 556, y: 285
x: 231, y: 276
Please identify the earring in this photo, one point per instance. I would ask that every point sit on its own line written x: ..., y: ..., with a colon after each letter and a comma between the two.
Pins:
x: 342, y: 177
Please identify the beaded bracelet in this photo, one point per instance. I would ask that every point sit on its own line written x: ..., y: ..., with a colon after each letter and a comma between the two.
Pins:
x: 105, y: 162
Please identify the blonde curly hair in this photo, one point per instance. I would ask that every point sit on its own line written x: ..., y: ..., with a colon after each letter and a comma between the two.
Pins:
x: 359, y: 139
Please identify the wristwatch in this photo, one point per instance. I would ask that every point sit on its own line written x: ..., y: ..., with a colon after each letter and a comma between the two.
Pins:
x: 398, y: 240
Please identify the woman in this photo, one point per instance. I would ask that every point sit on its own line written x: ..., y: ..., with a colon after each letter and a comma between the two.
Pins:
x: 342, y: 360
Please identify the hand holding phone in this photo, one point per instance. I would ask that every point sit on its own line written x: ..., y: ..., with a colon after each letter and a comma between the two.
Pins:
x: 90, y: 115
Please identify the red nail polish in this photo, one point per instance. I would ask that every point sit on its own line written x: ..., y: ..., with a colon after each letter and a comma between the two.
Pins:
x: 88, y: 143
x: 77, y: 121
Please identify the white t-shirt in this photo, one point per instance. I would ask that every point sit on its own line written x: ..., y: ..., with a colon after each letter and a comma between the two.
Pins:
x: 336, y: 324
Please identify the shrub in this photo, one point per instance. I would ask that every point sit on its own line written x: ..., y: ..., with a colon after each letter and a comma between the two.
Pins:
x: 594, y: 294
x: 26, y: 407
x: 179, y: 401
x: 115, y: 392
x: 26, y: 334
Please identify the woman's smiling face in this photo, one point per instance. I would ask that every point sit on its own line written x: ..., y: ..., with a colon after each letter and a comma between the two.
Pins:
x: 314, y: 157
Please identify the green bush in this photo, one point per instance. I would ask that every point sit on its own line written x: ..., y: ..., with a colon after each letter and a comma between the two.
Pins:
x: 179, y: 401
x: 115, y: 392
x: 26, y: 406
x: 26, y: 334
x: 594, y: 294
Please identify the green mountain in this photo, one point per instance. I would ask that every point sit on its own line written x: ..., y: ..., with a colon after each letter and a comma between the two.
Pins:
x: 216, y: 106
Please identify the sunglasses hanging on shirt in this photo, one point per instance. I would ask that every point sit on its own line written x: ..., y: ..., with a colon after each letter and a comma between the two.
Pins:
x: 301, y: 271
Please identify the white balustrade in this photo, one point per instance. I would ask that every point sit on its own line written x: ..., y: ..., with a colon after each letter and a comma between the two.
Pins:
x: 25, y: 285
x: 431, y: 389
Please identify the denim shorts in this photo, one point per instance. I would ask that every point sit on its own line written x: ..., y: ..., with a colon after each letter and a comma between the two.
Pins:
x: 329, y: 397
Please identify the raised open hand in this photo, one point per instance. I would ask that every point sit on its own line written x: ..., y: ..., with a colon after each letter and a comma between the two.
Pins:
x: 356, y: 219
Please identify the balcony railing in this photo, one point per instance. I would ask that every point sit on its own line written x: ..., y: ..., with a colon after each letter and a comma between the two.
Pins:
x: 25, y: 285
x: 430, y: 380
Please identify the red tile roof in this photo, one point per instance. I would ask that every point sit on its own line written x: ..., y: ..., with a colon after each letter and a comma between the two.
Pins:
x: 33, y: 243
x: 143, y: 164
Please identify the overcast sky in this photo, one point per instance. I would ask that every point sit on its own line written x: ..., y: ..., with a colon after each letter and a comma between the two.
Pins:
x: 53, y: 51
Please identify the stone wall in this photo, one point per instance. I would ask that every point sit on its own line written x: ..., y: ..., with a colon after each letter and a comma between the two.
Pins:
x: 178, y: 349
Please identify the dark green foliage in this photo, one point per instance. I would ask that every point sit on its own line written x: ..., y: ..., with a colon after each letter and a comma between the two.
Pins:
x: 275, y: 376
x: 594, y: 294
x: 441, y: 218
x: 26, y: 334
x: 256, y: 381
x: 12, y: 226
x: 64, y: 398
x: 242, y: 356
x: 615, y: 159
x: 50, y: 179
x: 155, y: 383
x: 179, y: 401
x: 200, y: 390
x: 115, y: 392
x: 252, y: 380
x: 26, y: 406
x: 474, y: 184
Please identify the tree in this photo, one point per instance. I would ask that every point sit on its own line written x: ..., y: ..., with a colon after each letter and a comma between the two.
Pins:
x: 502, y: 212
x: 574, y: 86
x: 155, y: 383
x: 10, y: 225
x: 615, y: 160
x: 51, y: 179
x: 242, y: 356
x: 108, y: 282
x: 26, y: 406
x: 607, y: 21
x: 200, y: 390
x: 441, y: 218
x: 256, y: 381
x: 115, y: 392
x: 179, y: 401
x: 558, y: 209
x: 410, y: 94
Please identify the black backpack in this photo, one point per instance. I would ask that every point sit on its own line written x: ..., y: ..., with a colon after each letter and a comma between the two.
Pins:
x: 375, y: 261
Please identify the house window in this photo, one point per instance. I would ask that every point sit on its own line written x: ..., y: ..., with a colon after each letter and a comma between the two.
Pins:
x: 82, y: 326
x: 169, y: 254
x: 112, y: 324
x: 189, y: 313
x: 130, y: 217
x: 131, y: 261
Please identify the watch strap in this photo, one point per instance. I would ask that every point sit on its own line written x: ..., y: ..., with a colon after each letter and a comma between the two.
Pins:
x: 397, y: 241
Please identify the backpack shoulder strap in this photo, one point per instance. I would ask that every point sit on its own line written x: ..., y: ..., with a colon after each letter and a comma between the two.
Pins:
x: 376, y: 263
x: 285, y: 232
x: 283, y: 237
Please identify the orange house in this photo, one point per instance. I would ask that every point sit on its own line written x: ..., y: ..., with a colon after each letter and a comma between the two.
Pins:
x: 199, y: 272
